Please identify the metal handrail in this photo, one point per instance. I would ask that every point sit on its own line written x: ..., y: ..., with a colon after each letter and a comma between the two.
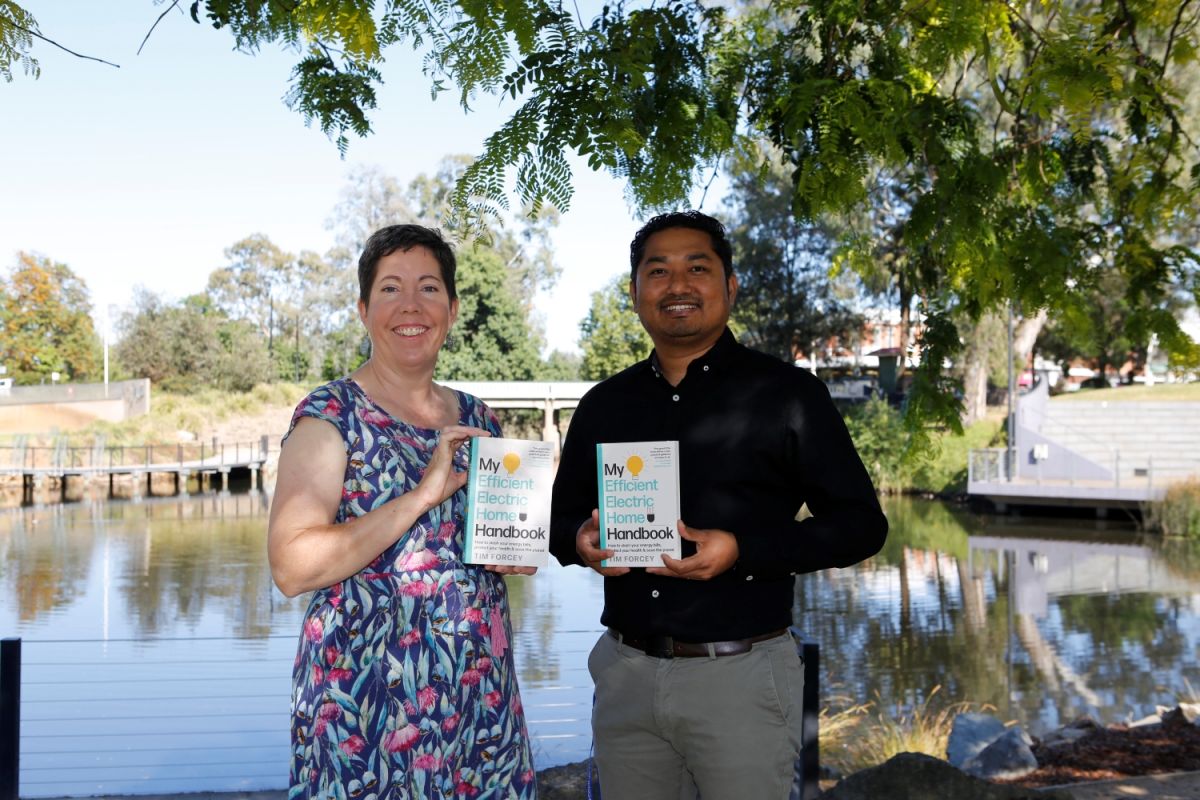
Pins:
x: 119, y: 458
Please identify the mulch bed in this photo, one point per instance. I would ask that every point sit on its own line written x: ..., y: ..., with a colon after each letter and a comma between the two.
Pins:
x: 1118, y: 752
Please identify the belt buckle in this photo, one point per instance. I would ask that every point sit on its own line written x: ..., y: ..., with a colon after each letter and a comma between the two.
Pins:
x: 660, y: 647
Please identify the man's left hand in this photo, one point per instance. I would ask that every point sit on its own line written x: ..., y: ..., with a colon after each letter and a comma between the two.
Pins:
x: 716, y: 551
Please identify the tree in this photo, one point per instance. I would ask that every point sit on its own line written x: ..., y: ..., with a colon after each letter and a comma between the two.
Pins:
x: 612, y: 336
x: 17, y: 31
x: 491, y: 340
x: 45, y: 319
x: 560, y: 366
x: 190, y: 346
x: 786, y: 302
x: 1033, y: 135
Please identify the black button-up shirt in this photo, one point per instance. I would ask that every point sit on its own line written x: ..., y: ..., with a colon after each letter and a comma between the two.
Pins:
x: 757, y: 440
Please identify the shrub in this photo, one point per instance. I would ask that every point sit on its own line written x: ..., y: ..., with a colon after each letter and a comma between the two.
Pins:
x: 1178, y: 513
x: 880, y: 437
x: 853, y: 738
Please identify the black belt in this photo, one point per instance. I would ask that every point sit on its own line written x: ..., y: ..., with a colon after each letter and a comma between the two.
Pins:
x: 667, y: 647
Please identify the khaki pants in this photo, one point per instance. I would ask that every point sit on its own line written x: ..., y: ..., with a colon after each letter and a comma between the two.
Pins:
x: 727, y: 727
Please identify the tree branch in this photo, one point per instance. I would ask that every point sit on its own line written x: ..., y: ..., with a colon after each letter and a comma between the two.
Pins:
x: 48, y: 40
x: 1171, y: 37
x: 146, y: 38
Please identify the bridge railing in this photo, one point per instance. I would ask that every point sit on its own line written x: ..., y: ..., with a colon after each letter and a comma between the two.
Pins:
x: 121, y: 458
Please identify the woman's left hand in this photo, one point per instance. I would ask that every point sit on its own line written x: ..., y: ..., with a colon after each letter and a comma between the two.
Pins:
x: 505, y: 569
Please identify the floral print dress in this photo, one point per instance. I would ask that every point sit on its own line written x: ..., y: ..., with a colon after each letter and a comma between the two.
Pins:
x: 404, y: 685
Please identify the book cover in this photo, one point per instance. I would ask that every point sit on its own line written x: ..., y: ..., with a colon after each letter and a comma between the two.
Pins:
x: 508, y: 502
x: 639, y: 502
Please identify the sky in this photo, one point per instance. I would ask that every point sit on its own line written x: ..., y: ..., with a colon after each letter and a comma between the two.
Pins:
x: 143, y: 175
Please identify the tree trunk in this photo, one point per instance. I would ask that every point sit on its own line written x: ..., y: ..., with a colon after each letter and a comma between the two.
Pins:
x: 975, y: 377
x: 1026, y: 335
x: 979, y: 347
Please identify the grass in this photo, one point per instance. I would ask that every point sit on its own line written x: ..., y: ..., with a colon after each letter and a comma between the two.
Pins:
x: 1160, y: 392
x: 171, y: 413
x: 1178, y: 513
x: 945, y: 472
x: 859, y: 736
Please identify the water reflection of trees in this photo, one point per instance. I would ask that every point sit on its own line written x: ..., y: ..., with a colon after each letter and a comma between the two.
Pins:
x: 175, y: 568
x: 534, y: 620
x: 929, y: 610
x: 169, y: 561
x: 45, y: 561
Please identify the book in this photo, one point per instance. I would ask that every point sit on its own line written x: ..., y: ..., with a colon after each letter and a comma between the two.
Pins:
x: 508, y: 502
x: 638, y: 502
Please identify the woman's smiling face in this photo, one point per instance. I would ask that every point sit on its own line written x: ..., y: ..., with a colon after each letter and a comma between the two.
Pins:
x: 410, y: 311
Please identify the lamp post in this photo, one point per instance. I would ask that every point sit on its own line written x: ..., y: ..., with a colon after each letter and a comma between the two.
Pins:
x: 1009, y: 461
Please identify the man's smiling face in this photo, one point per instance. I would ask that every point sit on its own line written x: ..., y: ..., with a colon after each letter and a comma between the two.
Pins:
x: 681, y: 293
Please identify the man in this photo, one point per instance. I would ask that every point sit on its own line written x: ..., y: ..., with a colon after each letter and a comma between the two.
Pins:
x: 698, y: 684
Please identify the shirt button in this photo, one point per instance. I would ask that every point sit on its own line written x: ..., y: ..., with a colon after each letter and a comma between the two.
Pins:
x: 706, y: 367
x: 749, y: 577
x: 654, y: 593
x: 675, y: 397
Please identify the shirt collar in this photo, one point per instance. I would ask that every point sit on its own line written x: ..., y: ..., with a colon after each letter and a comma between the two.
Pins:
x: 718, y: 355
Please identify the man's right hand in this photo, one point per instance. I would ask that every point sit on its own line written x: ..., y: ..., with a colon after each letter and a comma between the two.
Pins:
x: 587, y: 544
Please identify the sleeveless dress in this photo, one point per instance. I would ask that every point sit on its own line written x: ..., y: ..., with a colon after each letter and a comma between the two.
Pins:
x: 404, y: 685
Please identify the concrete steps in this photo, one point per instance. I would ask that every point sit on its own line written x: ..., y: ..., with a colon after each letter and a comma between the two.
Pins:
x: 1159, y: 440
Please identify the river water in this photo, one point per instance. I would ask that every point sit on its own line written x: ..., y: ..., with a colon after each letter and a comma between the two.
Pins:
x: 157, y: 654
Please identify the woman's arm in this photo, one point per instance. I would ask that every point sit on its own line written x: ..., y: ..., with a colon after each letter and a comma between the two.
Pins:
x: 306, y: 549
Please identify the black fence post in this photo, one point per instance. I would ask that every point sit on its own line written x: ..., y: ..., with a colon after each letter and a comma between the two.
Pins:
x: 808, y: 767
x: 10, y: 718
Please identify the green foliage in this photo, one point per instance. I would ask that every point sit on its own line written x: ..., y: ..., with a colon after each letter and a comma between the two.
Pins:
x: 1178, y: 512
x: 944, y: 471
x: 560, y: 366
x: 46, y: 323
x: 493, y: 338
x: 786, y: 302
x: 612, y: 335
x: 883, y: 442
x: 880, y: 437
x: 17, y: 31
x: 190, y: 347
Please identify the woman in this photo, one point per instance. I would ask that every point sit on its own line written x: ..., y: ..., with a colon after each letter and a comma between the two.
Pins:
x: 404, y: 685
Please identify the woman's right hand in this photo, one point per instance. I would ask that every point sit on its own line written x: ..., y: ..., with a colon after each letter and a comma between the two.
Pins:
x: 441, y: 479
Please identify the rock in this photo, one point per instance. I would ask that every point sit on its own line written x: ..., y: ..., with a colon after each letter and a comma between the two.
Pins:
x: 1009, y: 756
x: 1064, y: 736
x: 568, y: 782
x: 971, y: 733
x: 1189, y: 711
x: 1153, y: 719
x: 912, y: 776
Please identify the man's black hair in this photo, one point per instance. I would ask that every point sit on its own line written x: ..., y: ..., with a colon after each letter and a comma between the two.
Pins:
x: 682, y: 219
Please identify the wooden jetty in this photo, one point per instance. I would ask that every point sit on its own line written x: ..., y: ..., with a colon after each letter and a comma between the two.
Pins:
x: 210, y: 462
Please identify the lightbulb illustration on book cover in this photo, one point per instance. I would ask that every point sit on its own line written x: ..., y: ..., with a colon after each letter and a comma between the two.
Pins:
x: 508, y: 502
x: 639, y: 502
